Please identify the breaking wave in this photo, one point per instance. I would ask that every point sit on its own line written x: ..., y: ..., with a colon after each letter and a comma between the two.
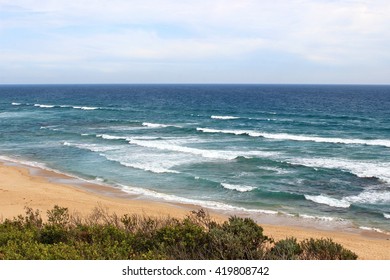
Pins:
x: 333, y: 202
x: 239, y: 188
x: 366, y: 197
x: 292, y: 137
x: 379, y: 170
x: 214, y: 154
x: 224, y: 117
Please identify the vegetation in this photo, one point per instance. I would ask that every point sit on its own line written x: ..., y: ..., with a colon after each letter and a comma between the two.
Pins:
x: 108, y: 236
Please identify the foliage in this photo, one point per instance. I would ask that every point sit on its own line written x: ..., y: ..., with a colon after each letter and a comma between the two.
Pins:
x: 286, y: 249
x: 106, y: 236
x: 325, y: 249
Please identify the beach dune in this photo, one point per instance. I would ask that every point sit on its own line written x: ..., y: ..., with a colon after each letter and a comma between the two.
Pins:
x: 20, y: 188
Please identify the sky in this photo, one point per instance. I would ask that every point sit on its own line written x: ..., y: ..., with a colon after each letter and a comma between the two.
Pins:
x: 198, y: 41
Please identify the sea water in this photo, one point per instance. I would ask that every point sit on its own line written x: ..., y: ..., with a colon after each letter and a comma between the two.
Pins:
x: 305, y: 152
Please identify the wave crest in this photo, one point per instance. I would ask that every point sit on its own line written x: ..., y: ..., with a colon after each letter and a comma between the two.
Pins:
x: 323, y: 199
x: 224, y: 117
x: 292, y: 137
x: 239, y: 188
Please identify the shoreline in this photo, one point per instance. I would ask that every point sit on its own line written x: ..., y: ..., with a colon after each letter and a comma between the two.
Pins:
x: 26, y: 186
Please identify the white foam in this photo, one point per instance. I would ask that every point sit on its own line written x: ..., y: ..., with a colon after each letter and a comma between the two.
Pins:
x: 49, y: 127
x: 366, y: 197
x: 370, y: 197
x: 363, y: 169
x: 142, y: 162
x: 154, y: 125
x: 285, y: 136
x: 85, y: 107
x: 16, y: 104
x: 158, y: 125
x: 224, y: 117
x: 321, y: 218
x: 98, y: 179
x: 239, y: 188
x: 111, y: 137
x: 333, y: 202
x: 44, y: 106
x: 275, y: 169
x: 214, y: 154
x: 148, y: 167
x: 25, y: 162
x: 90, y: 147
x: 374, y: 229
x: 387, y: 216
x: 203, y: 203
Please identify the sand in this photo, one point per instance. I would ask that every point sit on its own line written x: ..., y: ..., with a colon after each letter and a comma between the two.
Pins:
x: 22, y: 187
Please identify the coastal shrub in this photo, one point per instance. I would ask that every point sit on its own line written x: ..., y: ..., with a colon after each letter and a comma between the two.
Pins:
x: 31, y: 219
x: 52, y: 234
x: 325, y: 249
x: 286, y: 249
x: 237, y: 238
x: 58, y: 216
x: 186, y: 240
x: 104, y: 236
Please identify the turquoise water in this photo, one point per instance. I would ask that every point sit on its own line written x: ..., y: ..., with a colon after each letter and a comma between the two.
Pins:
x: 306, y: 152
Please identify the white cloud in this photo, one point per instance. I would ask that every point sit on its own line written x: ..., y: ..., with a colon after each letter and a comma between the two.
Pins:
x: 112, y: 34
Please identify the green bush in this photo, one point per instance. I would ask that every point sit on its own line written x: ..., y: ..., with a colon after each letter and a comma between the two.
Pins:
x: 52, y: 234
x: 109, y: 237
x: 237, y: 238
x: 184, y: 240
x: 325, y: 249
x: 286, y: 249
x: 58, y: 216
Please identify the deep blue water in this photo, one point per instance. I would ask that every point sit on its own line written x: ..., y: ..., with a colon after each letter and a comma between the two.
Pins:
x: 306, y: 151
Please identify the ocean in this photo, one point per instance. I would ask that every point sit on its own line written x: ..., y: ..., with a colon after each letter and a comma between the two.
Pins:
x: 303, y: 154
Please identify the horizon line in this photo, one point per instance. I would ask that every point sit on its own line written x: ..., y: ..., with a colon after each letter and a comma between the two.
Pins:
x: 195, y: 84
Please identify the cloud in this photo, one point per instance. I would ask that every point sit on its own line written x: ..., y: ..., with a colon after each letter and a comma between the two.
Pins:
x: 249, y: 35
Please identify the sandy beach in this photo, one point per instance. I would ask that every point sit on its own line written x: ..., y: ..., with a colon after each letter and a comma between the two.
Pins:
x: 22, y: 187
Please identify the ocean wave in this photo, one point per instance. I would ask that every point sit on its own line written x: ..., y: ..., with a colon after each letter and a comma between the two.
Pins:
x: 66, y: 106
x: 366, y: 197
x: 154, y: 167
x: 25, y: 162
x: 224, y: 117
x: 91, y: 147
x: 85, y: 108
x: 158, y: 125
x: 203, y: 203
x: 387, y: 216
x: 333, y: 202
x: 292, y: 137
x: 321, y: 218
x: 16, y: 104
x: 239, y: 188
x: 138, y: 162
x: 44, y: 106
x: 275, y: 169
x: 100, y: 180
x: 111, y: 137
x: 370, y: 197
x: 154, y: 125
x: 374, y: 229
x: 50, y: 127
x: 362, y: 169
x: 214, y: 154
